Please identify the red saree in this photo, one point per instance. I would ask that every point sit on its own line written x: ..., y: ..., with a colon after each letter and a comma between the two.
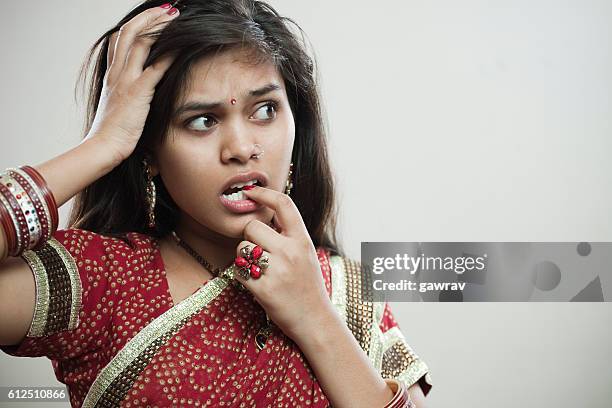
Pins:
x: 105, y: 318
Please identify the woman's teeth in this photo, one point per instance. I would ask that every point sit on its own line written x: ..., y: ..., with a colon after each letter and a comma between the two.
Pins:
x: 237, y: 196
x: 240, y: 185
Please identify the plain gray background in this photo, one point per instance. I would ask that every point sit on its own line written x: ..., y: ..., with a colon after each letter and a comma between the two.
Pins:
x: 449, y: 121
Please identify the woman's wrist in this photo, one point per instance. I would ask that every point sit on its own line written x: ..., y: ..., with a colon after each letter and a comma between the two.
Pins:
x: 77, y: 168
x: 319, y: 330
x: 109, y: 154
x: 28, y: 210
x: 30, y: 197
x: 401, y: 396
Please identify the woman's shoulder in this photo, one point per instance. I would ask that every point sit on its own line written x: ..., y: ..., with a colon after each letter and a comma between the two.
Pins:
x: 80, y: 243
x: 94, y: 256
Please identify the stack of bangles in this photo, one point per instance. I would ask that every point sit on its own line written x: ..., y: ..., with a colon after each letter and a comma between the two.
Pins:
x: 401, y: 397
x: 28, y: 210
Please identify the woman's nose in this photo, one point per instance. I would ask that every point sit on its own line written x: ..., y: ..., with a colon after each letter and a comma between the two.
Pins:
x: 238, y: 144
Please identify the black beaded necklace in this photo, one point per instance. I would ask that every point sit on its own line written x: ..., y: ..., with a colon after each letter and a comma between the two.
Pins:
x: 214, y: 271
x: 264, y: 332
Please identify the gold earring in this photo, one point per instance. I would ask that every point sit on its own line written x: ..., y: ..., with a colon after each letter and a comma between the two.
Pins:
x: 151, y: 194
x: 289, y: 182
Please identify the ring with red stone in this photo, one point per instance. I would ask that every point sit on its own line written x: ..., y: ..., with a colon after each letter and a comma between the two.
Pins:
x: 251, y: 263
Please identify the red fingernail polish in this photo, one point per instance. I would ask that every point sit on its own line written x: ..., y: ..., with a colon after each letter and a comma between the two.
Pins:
x: 172, y: 11
x: 166, y: 6
x: 249, y: 187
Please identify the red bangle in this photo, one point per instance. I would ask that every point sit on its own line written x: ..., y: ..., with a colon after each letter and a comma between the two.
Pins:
x: 35, y: 197
x: 401, y: 397
x: 28, y: 210
x: 49, y: 198
x: 19, y: 222
x: 9, y: 229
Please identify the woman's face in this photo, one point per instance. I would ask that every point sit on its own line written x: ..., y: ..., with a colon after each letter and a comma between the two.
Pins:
x: 209, y: 145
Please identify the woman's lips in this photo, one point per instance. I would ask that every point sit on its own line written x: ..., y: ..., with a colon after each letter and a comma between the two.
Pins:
x: 239, y: 206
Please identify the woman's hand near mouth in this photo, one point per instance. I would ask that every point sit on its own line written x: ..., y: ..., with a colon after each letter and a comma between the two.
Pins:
x: 291, y: 290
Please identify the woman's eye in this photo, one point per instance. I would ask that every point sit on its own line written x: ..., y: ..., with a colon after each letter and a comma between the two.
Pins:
x: 202, y: 123
x: 268, y: 111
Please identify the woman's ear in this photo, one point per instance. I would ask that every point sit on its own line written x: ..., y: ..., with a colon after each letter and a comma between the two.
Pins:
x: 152, y: 163
x: 154, y: 169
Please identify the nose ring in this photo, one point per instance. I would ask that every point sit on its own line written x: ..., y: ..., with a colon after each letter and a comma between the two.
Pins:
x: 258, y: 155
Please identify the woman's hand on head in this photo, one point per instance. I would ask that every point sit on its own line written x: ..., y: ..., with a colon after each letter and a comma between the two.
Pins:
x: 291, y: 289
x: 128, y: 88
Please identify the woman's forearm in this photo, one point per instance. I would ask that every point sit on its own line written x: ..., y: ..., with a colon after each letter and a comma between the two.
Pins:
x: 72, y: 171
x: 342, y: 368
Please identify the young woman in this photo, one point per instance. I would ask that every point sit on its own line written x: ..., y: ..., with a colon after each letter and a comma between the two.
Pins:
x: 200, y: 266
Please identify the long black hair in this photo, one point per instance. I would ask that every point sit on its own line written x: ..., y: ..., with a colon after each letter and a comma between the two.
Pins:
x: 116, y: 203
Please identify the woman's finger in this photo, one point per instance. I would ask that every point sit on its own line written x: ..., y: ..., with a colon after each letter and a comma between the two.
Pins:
x: 287, y: 214
x: 140, y: 50
x: 154, y: 72
x: 112, y: 43
x: 262, y: 234
x: 128, y: 32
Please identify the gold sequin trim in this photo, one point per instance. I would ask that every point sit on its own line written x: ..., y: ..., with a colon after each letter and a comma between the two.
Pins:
x: 414, y: 373
x: 41, y: 305
x: 355, y: 299
x: 117, y: 377
x: 58, y: 289
x: 376, y: 349
x: 399, y: 360
x: 75, y: 282
x: 389, y: 352
x: 359, y: 307
x: 338, y: 282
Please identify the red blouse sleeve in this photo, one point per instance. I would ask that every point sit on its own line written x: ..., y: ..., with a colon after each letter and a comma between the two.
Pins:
x: 399, y: 358
x: 382, y: 339
x: 73, y: 296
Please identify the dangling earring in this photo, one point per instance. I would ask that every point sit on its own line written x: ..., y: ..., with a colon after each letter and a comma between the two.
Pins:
x: 151, y: 194
x: 289, y: 183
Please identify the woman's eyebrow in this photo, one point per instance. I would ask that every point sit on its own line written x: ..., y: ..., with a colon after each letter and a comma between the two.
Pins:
x: 203, y: 105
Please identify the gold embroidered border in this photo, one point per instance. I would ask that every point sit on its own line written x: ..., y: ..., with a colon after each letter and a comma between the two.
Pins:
x: 414, y: 373
x: 400, y: 361
x: 41, y: 305
x: 56, y: 277
x: 338, y: 282
x: 377, y: 349
x: 392, y: 336
x: 114, y: 380
x: 389, y: 351
x: 348, y: 297
x: 75, y: 281
x: 359, y: 310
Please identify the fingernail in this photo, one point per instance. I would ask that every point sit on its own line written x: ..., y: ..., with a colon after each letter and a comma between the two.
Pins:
x: 172, y: 11
x: 166, y: 6
x: 249, y: 187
